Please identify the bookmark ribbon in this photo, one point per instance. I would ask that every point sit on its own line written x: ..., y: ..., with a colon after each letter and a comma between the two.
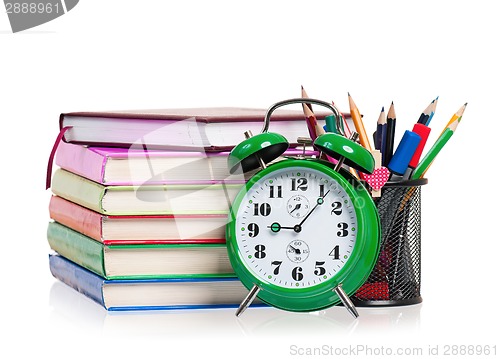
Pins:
x: 53, y: 154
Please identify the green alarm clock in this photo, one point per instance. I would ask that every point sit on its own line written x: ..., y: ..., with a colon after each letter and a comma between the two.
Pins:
x: 303, y: 234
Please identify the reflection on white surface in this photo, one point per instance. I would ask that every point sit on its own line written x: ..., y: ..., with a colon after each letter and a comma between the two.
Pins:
x: 74, y: 309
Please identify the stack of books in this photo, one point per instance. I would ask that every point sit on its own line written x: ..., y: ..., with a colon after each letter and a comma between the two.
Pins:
x: 140, y: 203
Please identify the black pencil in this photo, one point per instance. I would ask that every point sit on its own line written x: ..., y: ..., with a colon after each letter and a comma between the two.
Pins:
x: 379, y: 135
x: 389, y: 137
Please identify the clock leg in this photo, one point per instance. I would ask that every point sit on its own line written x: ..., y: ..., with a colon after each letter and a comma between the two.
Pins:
x: 346, y: 301
x: 248, y: 300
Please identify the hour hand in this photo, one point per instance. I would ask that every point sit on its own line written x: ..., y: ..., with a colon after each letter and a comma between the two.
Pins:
x: 276, y: 227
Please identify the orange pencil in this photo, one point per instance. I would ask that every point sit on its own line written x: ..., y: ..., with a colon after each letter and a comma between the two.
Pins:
x: 358, y: 123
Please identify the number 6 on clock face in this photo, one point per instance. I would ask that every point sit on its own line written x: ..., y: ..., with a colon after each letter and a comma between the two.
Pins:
x: 298, y: 230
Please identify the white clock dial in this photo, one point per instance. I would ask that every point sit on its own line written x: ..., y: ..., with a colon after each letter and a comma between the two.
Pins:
x: 297, y: 251
x: 298, y: 206
x: 281, y: 225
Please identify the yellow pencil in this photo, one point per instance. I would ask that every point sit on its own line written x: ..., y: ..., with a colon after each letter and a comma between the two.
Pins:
x: 457, y: 115
x: 358, y: 123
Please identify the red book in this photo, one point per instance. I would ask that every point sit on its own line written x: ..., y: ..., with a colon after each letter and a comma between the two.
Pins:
x: 163, y: 229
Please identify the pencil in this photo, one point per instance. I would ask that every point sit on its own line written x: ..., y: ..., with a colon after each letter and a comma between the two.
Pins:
x: 314, y: 128
x: 380, y: 133
x: 433, y: 111
x: 303, y: 94
x: 346, y: 132
x: 429, y: 158
x: 358, y: 123
x: 457, y: 115
x: 388, y: 149
x: 426, y: 114
x: 423, y: 167
x: 421, y: 129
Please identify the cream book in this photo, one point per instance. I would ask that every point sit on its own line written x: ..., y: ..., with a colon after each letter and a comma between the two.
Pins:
x: 146, y: 199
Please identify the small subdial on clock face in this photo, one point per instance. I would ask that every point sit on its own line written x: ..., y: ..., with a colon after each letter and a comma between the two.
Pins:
x: 298, y: 206
x: 297, y: 251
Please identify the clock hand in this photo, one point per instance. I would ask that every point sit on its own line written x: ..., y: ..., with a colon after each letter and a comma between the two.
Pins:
x: 297, y: 206
x: 318, y: 203
x: 276, y: 227
x: 297, y: 251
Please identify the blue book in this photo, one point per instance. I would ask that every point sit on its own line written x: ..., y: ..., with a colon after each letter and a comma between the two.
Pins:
x: 150, y: 294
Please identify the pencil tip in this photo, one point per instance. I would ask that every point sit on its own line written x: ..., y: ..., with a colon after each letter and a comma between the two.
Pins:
x: 392, y: 102
x: 302, y: 87
x: 348, y: 94
x: 382, y: 109
x: 465, y: 105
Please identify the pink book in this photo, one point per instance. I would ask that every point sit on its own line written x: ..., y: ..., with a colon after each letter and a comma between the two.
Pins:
x: 135, y: 166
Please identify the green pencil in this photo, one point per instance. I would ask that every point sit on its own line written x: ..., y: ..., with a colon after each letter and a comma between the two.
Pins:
x: 426, y: 162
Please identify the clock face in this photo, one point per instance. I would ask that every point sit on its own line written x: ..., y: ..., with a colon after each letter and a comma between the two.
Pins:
x: 295, y: 227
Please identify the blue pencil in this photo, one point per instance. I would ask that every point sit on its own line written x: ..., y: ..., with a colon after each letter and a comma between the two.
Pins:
x: 428, y: 113
x: 433, y: 110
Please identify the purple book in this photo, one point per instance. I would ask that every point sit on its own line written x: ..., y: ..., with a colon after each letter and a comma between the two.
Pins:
x: 187, y: 129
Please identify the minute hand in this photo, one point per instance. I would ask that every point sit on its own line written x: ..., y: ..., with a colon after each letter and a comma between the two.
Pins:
x: 318, y: 203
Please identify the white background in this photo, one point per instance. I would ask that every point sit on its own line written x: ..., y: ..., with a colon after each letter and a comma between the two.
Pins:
x: 107, y: 55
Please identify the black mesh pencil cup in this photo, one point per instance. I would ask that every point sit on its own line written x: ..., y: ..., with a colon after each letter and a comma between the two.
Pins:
x: 395, y: 280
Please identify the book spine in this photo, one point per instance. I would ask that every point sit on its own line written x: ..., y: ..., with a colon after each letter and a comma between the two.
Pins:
x: 76, y: 247
x: 78, y: 278
x: 76, y: 217
x: 82, y: 161
x: 77, y: 189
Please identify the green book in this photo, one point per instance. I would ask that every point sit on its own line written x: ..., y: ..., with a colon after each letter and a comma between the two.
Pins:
x: 140, y: 261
